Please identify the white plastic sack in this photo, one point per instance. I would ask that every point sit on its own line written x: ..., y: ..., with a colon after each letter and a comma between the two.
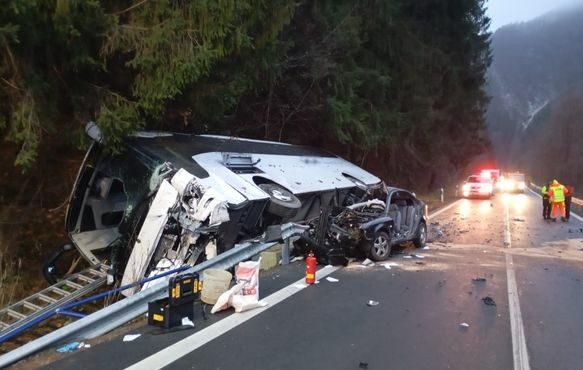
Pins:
x: 244, y: 295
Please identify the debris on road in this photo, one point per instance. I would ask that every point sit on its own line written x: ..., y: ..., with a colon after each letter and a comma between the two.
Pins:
x: 488, y: 301
x: 130, y: 337
x: 297, y: 258
x: 479, y: 280
x: 363, y: 365
x: 464, y: 325
x: 408, y: 257
x: 187, y: 322
x: 388, y: 265
x: 435, y: 223
x: 517, y: 219
x: 419, y: 263
x: 426, y: 248
x: 441, y: 283
x: 367, y: 262
x: 372, y: 303
x: 332, y: 280
x: 69, y: 347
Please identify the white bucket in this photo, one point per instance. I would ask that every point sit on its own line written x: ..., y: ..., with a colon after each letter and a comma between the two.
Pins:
x: 215, y: 282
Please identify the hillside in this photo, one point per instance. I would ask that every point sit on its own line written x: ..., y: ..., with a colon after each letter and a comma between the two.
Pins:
x: 536, y: 88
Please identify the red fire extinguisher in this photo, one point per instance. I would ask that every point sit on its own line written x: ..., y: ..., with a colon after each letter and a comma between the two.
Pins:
x: 310, y: 269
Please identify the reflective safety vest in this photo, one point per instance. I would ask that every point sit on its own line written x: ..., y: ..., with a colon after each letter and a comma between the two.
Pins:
x: 544, y: 190
x: 558, y: 193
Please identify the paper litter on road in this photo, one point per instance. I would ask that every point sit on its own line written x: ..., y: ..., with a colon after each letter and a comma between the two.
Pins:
x: 367, y: 262
x: 372, y: 303
x: 187, y: 322
x: 332, y: 280
x: 408, y: 257
x: 465, y: 325
x: 419, y: 256
x: 426, y: 248
x: 130, y: 337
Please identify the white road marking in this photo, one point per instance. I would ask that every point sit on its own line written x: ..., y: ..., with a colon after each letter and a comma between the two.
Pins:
x: 519, y: 350
x: 187, y: 345
x: 572, y: 214
x: 440, y: 211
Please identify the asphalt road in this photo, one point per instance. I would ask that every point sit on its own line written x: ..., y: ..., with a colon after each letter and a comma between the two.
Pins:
x: 531, y: 269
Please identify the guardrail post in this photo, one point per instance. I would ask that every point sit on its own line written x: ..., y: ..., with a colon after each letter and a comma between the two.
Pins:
x: 441, y: 195
x: 285, y: 252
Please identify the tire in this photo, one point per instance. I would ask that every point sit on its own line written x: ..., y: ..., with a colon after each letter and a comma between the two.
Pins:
x: 282, y: 202
x: 380, y: 246
x: 421, y: 238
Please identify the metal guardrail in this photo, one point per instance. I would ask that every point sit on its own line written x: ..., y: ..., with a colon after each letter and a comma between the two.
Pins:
x: 129, y: 308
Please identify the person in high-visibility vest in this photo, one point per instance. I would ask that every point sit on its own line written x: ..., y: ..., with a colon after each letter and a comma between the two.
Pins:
x: 557, y: 195
x: 546, y: 201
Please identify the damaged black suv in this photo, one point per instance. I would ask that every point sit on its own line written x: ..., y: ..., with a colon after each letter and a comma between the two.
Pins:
x: 370, y: 223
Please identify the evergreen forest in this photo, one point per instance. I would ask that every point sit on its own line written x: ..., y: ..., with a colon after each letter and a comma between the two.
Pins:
x: 393, y: 85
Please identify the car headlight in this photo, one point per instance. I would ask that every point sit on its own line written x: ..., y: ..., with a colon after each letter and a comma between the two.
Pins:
x: 521, y: 185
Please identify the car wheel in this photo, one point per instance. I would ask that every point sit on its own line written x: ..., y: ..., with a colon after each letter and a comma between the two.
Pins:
x: 421, y: 238
x: 282, y: 202
x: 380, y: 248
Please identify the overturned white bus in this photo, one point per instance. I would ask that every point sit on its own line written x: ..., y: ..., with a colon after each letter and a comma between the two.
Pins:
x: 172, y: 199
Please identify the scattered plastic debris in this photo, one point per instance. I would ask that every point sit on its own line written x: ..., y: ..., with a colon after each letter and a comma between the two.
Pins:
x: 488, y: 301
x: 388, y: 265
x: 426, y: 248
x: 297, y: 258
x: 130, y: 337
x: 69, y: 347
x: 407, y: 257
x: 372, y: 303
x: 464, y: 325
x: 479, y: 280
x: 187, y: 322
x: 332, y: 280
x: 363, y: 365
x: 367, y: 262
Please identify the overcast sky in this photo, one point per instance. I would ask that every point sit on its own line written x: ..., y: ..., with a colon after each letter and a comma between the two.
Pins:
x: 503, y: 12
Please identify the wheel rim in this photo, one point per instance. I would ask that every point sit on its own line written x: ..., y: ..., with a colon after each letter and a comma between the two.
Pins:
x: 280, y: 196
x: 381, y: 246
x: 422, y: 235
